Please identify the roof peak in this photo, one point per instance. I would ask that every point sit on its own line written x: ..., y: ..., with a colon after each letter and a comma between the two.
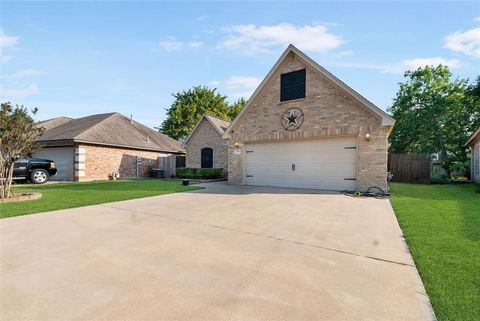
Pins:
x: 386, y: 119
x: 223, y: 119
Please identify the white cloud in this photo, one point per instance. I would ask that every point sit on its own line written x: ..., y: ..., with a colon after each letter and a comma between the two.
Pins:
x: 415, y: 63
x: 467, y: 42
x: 214, y: 83
x: 7, y: 41
x: 171, y: 44
x: 201, y: 18
x: 359, y: 65
x: 476, y: 18
x: 238, y: 86
x: 241, y: 94
x: 345, y: 53
x: 20, y: 92
x: 5, y: 59
x: 24, y: 74
x: 253, y: 39
x: 195, y: 44
x: 239, y: 82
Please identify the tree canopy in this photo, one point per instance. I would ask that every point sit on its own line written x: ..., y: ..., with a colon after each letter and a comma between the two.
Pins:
x: 17, y: 139
x: 435, y: 114
x: 189, y: 105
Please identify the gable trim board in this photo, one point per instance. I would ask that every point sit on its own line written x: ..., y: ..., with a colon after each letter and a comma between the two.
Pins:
x: 473, y: 137
x: 387, y: 120
x: 211, y: 121
x: 334, y: 114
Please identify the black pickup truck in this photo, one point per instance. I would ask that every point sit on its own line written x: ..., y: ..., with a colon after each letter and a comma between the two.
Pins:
x: 36, y: 170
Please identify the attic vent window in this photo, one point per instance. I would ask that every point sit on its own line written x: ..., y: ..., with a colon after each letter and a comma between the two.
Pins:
x: 292, y: 85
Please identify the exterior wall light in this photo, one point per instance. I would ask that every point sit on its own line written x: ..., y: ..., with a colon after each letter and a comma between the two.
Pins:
x: 367, y: 135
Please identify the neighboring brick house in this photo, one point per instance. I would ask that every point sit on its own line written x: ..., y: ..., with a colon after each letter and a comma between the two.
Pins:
x: 474, y: 143
x: 95, y: 146
x: 305, y: 128
x: 205, y: 147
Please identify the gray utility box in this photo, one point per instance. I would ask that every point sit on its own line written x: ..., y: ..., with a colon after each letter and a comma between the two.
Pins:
x: 156, y: 173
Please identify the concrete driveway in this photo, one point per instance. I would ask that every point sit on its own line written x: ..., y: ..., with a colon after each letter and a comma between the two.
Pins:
x: 223, y: 253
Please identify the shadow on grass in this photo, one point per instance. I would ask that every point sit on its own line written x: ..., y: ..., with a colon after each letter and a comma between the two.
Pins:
x: 107, y: 186
x: 465, y: 196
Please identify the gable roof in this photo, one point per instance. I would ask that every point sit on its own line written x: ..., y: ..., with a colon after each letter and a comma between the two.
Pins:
x: 111, y: 129
x: 220, y: 125
x: 387, y: 120
x: 472, y: 137
x: 53, y: 122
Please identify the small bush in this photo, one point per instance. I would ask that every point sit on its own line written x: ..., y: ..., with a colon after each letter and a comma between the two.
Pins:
x: 200, y: 173
x: 439, y: 179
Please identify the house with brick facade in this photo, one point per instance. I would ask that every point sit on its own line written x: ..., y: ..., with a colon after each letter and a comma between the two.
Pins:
x: 304, y: 128
x: 96, y: 146
x: 204, y: 145
x: 474, y: 143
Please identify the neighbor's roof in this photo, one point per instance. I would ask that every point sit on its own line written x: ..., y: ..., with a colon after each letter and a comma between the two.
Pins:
x: 472, y: 138
x: 387, y: 120
x: 53, y: 122
x: 220, y: 125
x: 112, y: 129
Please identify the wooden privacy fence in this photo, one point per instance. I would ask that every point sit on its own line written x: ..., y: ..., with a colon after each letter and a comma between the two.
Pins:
x: 409, y: 168
x: 170, y: 164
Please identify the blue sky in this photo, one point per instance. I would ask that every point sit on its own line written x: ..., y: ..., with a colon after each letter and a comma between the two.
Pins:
x: 80, y: 58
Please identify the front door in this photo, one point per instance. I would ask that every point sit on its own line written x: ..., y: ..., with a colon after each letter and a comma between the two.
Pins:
x: 207, y: 158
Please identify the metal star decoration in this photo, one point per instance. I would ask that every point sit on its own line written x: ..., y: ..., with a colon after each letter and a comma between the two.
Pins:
x: 292, y: 119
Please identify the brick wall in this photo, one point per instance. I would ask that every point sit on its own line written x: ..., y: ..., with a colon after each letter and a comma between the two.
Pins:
x: 206, y: 136
x: 99, y: 162
x: 328, y: 111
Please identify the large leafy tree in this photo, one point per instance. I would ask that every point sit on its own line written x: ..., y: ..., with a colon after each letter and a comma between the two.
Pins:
x: 190, y: 105
x: 236, y: 107
x: 434, y: 114
x: 17, y: 140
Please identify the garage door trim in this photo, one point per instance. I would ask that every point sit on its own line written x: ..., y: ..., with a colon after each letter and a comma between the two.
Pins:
x: 350, y: 145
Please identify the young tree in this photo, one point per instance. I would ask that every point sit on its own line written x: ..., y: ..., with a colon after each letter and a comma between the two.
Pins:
x: 190, y: 105
x: 433, y: 114
x: 17, y: 136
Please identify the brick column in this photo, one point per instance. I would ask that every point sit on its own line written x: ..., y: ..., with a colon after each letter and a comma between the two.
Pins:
x: 79, y: 163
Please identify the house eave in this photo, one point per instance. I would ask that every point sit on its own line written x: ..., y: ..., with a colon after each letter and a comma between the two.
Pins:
x: 71, y: 142
x: 472, y: 137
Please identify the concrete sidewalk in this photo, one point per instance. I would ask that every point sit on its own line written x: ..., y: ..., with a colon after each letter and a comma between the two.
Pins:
x: 223, y: 253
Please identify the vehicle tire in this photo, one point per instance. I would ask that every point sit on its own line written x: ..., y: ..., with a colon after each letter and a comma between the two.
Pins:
x: 39, y: 176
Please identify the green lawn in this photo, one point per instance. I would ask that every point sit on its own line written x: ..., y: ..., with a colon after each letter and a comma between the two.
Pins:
x: 58, y: 196
x: 442, y: 226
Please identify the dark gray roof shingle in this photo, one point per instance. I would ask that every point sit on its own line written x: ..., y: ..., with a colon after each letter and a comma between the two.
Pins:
x: 112, y: 129
x: 54, y: 122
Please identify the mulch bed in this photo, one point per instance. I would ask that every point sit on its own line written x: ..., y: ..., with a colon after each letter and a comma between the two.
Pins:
x: 22, y: 197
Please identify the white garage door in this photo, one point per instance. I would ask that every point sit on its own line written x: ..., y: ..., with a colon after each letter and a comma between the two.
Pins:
x: 63, y: 158
x: 328, y: 164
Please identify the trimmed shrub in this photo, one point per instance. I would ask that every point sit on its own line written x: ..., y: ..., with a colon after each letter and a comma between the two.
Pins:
x: 200, y: 173
x: 439, y: 179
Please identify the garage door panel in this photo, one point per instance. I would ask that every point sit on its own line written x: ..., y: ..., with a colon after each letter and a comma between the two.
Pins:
x: 320, y: 164
x: 63, y: 158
